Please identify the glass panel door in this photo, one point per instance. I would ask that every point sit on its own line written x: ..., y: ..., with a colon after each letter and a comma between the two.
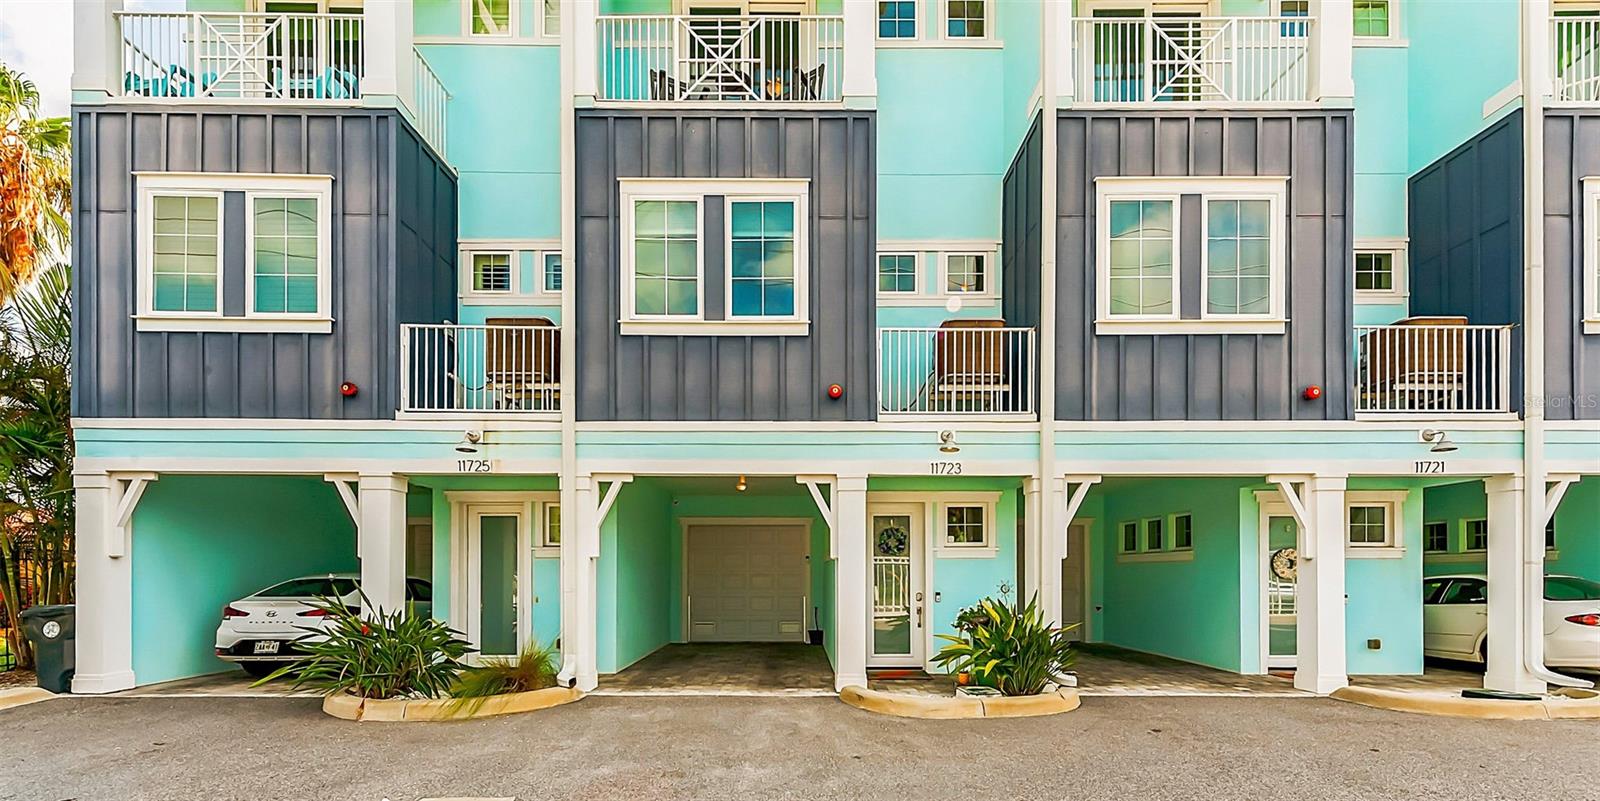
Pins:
x: 897, y: 612
x: 496, y: 584
x: 1283, y: 536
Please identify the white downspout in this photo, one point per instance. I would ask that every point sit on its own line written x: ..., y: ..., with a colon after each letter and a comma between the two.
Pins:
x: 1534, y: 52
x: 1050, y: 529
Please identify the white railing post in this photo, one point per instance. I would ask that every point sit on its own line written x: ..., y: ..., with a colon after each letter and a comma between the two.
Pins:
x: 480, y: 369
x: 1433, y: 368
x: 860, y: 44
x: 1332, y: 54
x: 386, y: 39
x: 585, y: 30
x: 407, y: 368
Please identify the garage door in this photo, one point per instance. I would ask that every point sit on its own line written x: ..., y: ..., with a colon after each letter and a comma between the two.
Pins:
x: 746, y: 583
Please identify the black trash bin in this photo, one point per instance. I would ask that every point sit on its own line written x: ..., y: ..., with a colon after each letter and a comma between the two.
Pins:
x: 52, y: 630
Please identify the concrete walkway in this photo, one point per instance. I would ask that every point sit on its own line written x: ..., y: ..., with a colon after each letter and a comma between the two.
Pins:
x: 726, y: 669
x: 1219, y: 749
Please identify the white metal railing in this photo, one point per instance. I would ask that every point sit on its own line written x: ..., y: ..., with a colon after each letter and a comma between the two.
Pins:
x: 891, y: 585
x: 1433, y: 368
x: 766, y: 59
x: 1575, y: 48
x: 432, y: 103
x: 1174, y: 59
x: 301, y: 57
x: 480, y: 368
x: 962, y: 368
x: 1280, y: 597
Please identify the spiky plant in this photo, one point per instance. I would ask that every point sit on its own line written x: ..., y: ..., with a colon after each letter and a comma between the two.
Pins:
x: 391, y: 654
x: 1008, y: 647
x: 533, y: 669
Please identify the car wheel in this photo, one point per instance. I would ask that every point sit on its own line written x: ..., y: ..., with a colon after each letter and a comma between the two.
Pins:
x: 260, y: 670
x: 1483, y: 653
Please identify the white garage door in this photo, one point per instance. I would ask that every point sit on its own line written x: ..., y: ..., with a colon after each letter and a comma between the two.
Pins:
x: 746, y: 583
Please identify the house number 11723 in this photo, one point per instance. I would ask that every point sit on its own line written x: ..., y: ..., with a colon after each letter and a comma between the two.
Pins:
x: 944, y: 468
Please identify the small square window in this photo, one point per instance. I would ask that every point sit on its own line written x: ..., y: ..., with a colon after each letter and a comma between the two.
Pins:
x: 491, y: 272
x: 1293, y: 8
x: 1130, y: 537
x: 1477, y: 535
x: 552, y: 272
x: 897, y: 19
x: 490, y: 17
x: 1182, y: 532
x: 1436, y: 537
x: 965, y: 19
x: 1372, y: 18
x: 966, y: 274
x: 1369, y: 525
x: 1375, y: 272
x: 1155, y: 534
x: 552, y: 525
x: 897, y: 273
x: 964, y: 526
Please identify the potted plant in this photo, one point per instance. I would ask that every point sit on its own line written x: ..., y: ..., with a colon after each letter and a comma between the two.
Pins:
x: 1008, y: 647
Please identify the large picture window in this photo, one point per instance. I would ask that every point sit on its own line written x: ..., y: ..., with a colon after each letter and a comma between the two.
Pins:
x: 762, y: 258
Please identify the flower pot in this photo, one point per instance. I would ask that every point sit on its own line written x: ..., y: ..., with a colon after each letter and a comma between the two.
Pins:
x: 963, y: 678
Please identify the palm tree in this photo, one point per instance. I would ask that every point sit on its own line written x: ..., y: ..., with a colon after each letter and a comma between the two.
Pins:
x: 36, y: 496
x: 35, y: 180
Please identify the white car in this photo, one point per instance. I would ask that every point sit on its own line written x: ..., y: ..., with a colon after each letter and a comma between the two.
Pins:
x: 259, y: 631
x: 1455, y: 619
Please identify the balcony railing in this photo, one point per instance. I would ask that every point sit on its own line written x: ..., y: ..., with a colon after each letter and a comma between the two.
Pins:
x: 966, y: 368
x: 236, y: 56
x: 1575, y: 46
x: 1433, y: 368
x: 480, y: 369
x: 432, y: 102
x: 1176, y: 59
x: 751, y: 59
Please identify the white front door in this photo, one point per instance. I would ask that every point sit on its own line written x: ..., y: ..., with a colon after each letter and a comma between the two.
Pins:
x: 1073, y: 581
x: 497, y: 541
x: 897, y: 628
x: 746, y: 582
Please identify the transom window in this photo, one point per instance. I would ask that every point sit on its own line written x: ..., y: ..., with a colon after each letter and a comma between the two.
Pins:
x: 897, y: 19
x: 1182, y: 532
x: 966, y: 273
x: 1374, y: 272
x: 666, y: 258
x: 1476, y: 535
x: 185, y: 246
x: 491, y: 272
x: 552, y: 17
x: 1155, y: 534
x: 965, y: 19
x: 1436, y: 537
x: 1238, y: 257
x: 1129, y: 541
x: 552, y: 525
x: 897, y: 273
x: 1369, y: 525
x: 1372, y: 18
x: 1142, y: 246
x: 490, y: 17
x: 964, y: 526
x: 762, y: 271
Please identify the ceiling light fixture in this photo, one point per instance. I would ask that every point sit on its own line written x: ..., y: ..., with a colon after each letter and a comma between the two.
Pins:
x: 1441, y: 442
x: 469, y: 441
x: 947, y: 442
x: 741, y: 486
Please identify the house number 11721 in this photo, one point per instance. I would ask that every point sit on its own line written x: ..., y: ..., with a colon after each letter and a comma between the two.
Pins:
x: 1430, y: 466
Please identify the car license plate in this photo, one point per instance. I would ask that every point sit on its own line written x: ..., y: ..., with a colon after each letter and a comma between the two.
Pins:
x: 266, y: 647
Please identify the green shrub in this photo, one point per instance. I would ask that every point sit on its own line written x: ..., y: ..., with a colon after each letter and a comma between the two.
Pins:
x: 1008, y: 647
x: 391, y: 655
x: 533, y: 669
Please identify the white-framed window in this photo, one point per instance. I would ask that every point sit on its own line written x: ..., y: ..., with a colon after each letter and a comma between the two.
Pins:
x: 490, y: 17
x: 763, y: 271
x: 1475, y: 535
x: 966, y: 274
x: 1374, y: 271
x: 550, y: 534
x: 1183, y: 532
x: 1380, y: 270
x: 1372, y: 523
x: 965, y: 526
x: 897, y: 19
x: 1590, y: 282
x: 1241, y: 267
x: 493, y: 272
x: 1128, y: 537
x: 1374, y: 19
x: 1436, y: 536
x: 282, y: 224
x: 965, y: 19
x: 550, y: 21
x: 1293, y: 8
x: 550, y: 273
x: 897, y: 273
x: 1550, y: 534
x: 1155, y: 534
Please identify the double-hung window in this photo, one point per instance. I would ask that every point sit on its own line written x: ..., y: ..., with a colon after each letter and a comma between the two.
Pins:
x: 714, y: 257
x: 233, y: 252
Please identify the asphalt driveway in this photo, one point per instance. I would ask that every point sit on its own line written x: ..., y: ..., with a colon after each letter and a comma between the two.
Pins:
x: 128, y: 749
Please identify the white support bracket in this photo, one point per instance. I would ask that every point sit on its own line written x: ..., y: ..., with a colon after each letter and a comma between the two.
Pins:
x: 1077, y: 489
x: 1297, y: 507
x: 130, y: 488
x: 1558, y: 485
x: 352, y: 502
x: 613, y: 482
x: 811, y: 483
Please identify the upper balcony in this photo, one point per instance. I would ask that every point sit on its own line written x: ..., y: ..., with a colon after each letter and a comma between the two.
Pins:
x: 1433, y: 366
x: 1192, y: 59
x: 508, y: 367
x: 963, y: 368
x: 720, y: 58
x: 1575, y: 50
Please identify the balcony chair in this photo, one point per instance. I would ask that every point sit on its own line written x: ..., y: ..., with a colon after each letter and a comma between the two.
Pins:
x: 969, y: 372
x: 664, y: 87
x: 1420, y: 370
x: 522, y: 365
x: 808, y: 84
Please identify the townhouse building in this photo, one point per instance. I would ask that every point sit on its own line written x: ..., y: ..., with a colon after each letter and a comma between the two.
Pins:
x: 1214, y: 326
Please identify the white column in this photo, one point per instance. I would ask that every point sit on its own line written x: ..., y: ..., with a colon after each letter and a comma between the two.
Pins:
x: 1035, y: 550
x: 1060, y: 49
x: 1332, y: 51
x: 96, y: 48
x: 861, y: 53
x: 104, y: 590
x: 579, y: 556
x: 1536, y: 27
x: 1319, y: 589
x: 381, y: 541
x: 850, y: 583
x: 386, y: 34
x: 1508, y: 589
x: 579, y: 28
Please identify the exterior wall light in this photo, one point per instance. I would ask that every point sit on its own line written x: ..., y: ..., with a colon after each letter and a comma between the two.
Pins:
x: 741, y: 486
x: 1441, y: 442
x: 947, y: 442
x: 469, y: 441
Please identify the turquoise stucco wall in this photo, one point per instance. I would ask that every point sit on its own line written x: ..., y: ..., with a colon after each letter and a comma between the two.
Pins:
x: 1384, y: 596
x: 202, y: 541
x: 1446, y: 91
x: 1382, y: 125
x: 633, y: 586
x: 1577, y: 550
